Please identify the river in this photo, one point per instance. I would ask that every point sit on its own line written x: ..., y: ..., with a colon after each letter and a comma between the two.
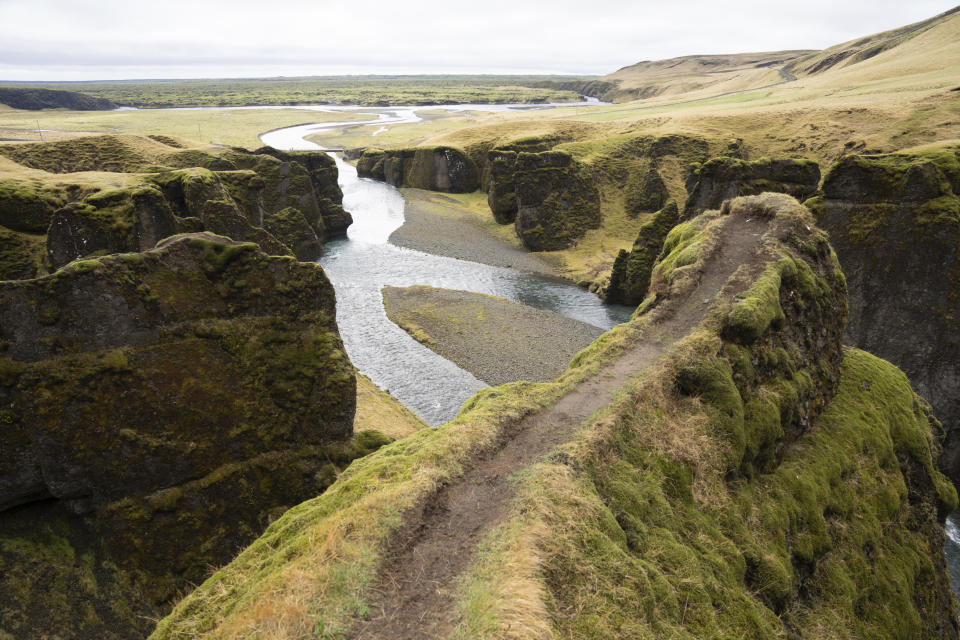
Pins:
x: 363, y: 263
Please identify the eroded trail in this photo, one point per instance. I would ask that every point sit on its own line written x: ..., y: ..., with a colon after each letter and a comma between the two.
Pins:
x: 416, y: 593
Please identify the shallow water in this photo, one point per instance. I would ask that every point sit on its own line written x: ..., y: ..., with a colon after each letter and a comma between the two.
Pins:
x: 363, y: 263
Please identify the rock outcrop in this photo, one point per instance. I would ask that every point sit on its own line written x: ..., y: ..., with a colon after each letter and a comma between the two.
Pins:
x: 645, y: 192
x: 895, y: 223
x: 288, y: 203
x: 158, y: 410
x: 630, y: 277
x: 434, y: 168
x: 724, y: 178
x: 501, y: 187
x: 557, y: 200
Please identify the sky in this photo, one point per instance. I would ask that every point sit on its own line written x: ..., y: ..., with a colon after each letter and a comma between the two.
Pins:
x: 47, y: 40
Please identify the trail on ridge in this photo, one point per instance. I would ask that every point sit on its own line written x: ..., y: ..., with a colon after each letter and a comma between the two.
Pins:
x: 416, y: 591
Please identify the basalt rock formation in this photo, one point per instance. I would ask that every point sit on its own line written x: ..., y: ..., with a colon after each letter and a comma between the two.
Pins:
x: 501, y: 189
x: 288, y: 203
x: 724, y: 178
x: 630, y: 277
x: 557, y: 200
x: 895, y: 223
x: 434, y: 168
x: 646, y: 192
x: 158, y: 410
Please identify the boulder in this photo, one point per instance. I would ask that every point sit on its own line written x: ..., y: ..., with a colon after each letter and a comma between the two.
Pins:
x: 725, y: 177
x: 557, y: 200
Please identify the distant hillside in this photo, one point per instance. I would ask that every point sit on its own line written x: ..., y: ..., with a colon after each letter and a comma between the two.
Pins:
x: 37, y: 99
x: 719, y: 73
x: 942, y: 29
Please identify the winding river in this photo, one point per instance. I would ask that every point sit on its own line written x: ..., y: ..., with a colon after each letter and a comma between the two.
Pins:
x: 363, y: 263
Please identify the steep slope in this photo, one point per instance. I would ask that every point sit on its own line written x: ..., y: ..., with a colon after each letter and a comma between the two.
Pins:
x: 922, y: 45
x: 895, y: 222
x: 159, y: 408
x: 730, y: 489
x: 717, y: 74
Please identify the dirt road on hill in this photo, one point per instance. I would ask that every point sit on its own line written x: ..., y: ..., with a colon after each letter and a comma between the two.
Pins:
x: 416, y: 594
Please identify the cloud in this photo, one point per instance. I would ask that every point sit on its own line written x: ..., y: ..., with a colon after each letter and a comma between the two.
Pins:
x: 57, y: 39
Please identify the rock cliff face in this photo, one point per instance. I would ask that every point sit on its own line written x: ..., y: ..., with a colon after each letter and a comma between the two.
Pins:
x: 501, y: 188
x: 288, y: 203
x: 434, y: 168
x: 646, y: 192
x: 163, y: 395
x: 895, y: 223
x: 723, y: 178
x: 631, y: 270
x: 159, y: 408
x: 557, y: 200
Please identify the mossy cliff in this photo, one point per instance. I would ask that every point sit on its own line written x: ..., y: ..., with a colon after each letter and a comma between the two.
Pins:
x: 758, y: 481
x: 557, y: 200
x: 288, y: 203
x: 632, y: 269
x: 434, y: 168
x: 895, y: 223
x: 159, y: 409
x: 723, y: 178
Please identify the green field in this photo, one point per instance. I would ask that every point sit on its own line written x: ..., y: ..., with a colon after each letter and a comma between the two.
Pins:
x: 367, y: 90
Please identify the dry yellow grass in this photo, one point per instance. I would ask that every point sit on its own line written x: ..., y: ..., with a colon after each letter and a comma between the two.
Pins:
x: 379, y: 411
x: 239, y: 127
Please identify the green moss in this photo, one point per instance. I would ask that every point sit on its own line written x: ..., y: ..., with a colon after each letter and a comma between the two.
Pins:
x: 760, y: 307
x: 631, y: 273
x: 88, y: 153
x: 22, y: 255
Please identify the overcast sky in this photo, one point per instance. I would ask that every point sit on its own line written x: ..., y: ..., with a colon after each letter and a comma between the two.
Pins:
x: 113, y: 39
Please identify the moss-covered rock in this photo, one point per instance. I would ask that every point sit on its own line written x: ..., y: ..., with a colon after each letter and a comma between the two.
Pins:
x: 172, y: 403
x: 645, y: 192
x: 557, y: 200
x: 110, y: 222
x: 233, y: 192
x: 501, y: 187
x: 290, y: 227
x: 895, y: 223
x: 22, y: 255
x: 630, y: 277
x: 24, y: 207
x: 726, y: 177
x: 433, y: 168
